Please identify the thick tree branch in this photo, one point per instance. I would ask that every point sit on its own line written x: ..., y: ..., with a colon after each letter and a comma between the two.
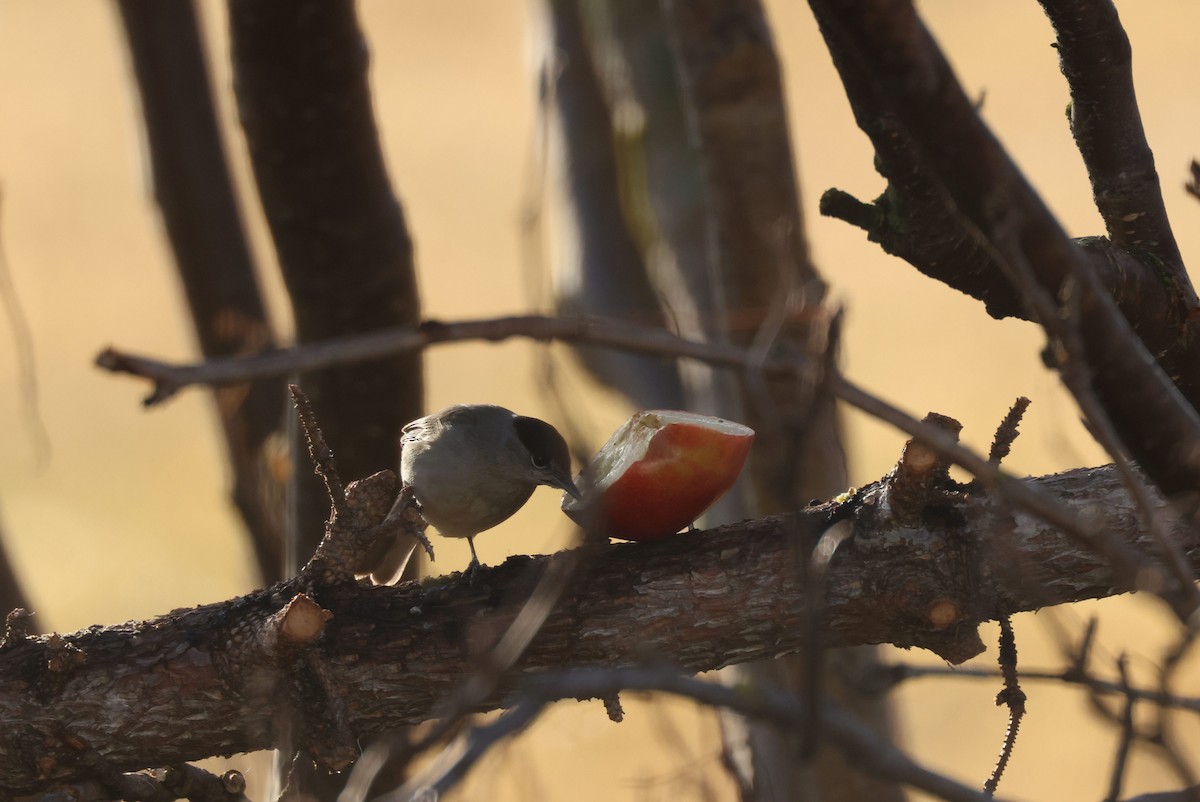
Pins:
x: 1096, y: 59
x: 1154, y: 292
x: 890, y: 49
x: 908, y: 220
x: 374, y: 658
x: 914, y: 218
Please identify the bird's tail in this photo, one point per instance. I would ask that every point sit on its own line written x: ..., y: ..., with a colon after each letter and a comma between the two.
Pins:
x: 390, y: 568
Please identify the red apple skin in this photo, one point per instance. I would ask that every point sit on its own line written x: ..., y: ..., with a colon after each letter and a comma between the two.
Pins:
x: 685, y: 469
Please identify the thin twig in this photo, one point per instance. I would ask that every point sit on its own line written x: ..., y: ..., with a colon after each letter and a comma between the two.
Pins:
x: 899, y: 672
x: 1006, y: 432
x: 1012, y: 696
x: 1128, y: 735
x: 619, y: 334
x: 318, y: 450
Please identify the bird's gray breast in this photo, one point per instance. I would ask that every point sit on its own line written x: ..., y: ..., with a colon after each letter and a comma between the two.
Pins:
x: 460, y: 482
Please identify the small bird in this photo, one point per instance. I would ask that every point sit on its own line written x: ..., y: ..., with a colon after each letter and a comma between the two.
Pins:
x: 471, y: 466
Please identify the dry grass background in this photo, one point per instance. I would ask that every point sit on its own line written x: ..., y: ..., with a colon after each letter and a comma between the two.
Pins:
x: 126, y: 515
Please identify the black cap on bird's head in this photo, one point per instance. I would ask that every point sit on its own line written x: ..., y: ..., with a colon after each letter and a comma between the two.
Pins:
x: 548, y: 453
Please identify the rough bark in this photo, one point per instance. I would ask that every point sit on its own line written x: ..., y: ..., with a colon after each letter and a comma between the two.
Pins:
x: 346, y: 660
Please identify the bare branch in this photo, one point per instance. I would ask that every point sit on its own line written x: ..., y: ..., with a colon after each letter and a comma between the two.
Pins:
x: 1011, y: 696
x: 1128, y: 734
x: 1096, y: 58
x: 318, y: 450
x: 915, y: 217
x: 1007, y: 432
x: 865, y: 748
x: 892, y: 675
x: 891, y: 50
x: 619, y: 334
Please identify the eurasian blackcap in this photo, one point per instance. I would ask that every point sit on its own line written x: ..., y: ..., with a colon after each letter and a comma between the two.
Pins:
x: 471, y: 466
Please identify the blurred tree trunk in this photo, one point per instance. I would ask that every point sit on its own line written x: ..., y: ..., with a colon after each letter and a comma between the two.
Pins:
x: 300, y: 74
x: 12, y: 595
x: 203, y: 223
x: 680, y: 107
x: 605, y: 254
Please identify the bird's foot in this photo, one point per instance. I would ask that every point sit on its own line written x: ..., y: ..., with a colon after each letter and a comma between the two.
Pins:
x: 472, y: 573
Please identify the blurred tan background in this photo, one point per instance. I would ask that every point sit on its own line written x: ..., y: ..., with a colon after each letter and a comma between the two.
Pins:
x: 126, y: 515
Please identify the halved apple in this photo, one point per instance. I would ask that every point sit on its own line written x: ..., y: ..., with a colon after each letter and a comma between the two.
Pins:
x: 658, y: 473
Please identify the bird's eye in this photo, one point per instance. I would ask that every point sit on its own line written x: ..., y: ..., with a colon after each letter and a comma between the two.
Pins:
x: 540, y: 462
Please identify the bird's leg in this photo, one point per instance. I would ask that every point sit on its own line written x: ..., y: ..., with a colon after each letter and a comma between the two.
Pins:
x: 475, y: 564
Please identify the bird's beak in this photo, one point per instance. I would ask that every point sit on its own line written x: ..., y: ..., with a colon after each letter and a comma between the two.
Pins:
x: 567, y: 486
